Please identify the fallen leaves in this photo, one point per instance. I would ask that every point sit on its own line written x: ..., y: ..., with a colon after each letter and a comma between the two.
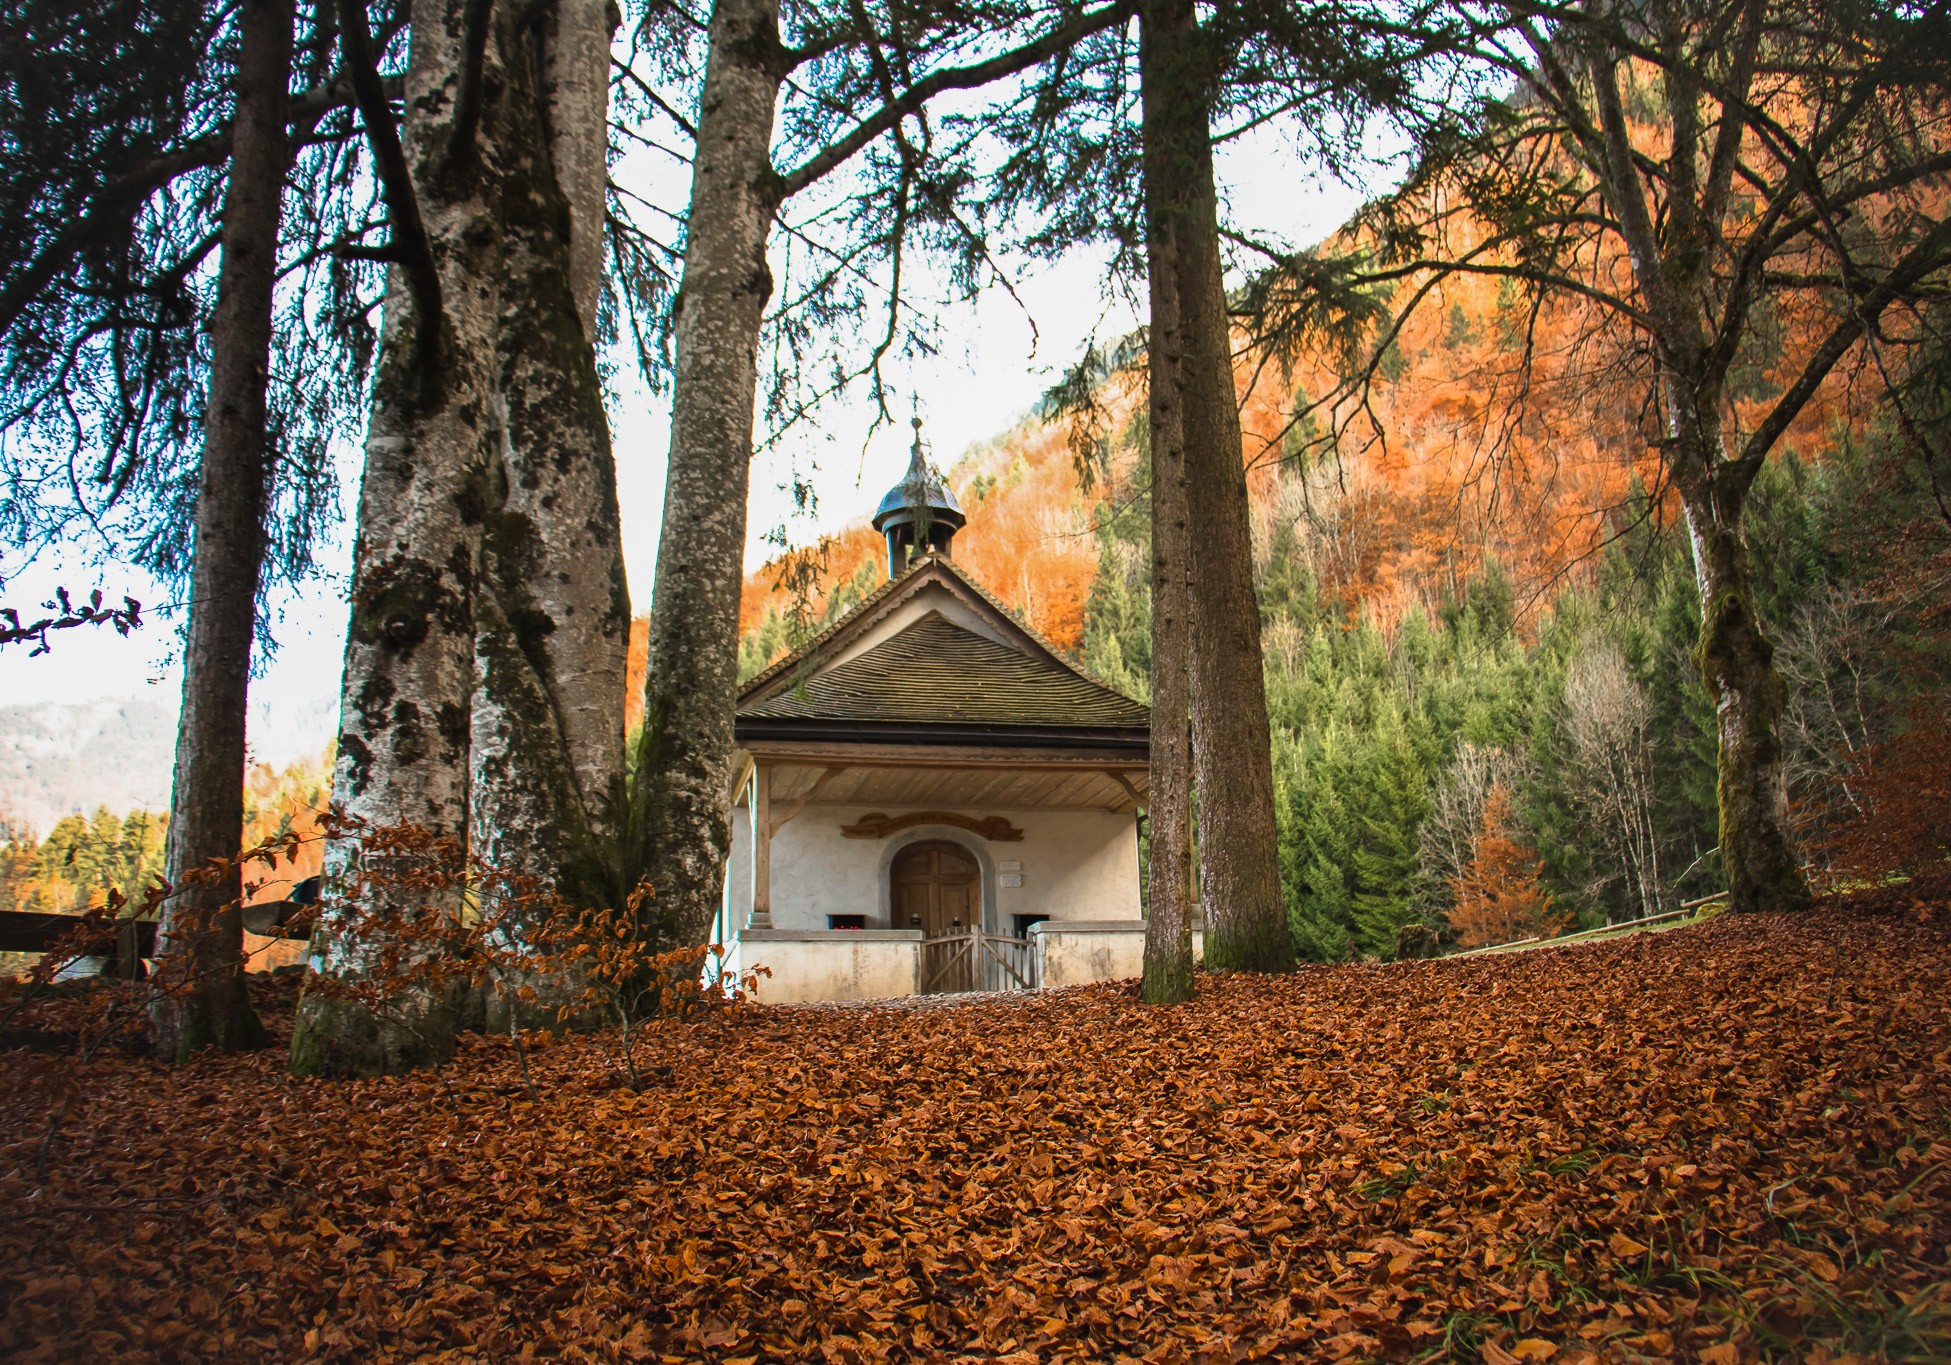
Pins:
x: 1723, y: 1143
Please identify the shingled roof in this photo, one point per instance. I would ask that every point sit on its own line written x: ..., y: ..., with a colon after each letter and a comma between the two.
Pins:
x: 936, y: 672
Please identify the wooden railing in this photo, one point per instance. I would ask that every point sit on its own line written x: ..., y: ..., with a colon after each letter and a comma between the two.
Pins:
x: 974, y: 960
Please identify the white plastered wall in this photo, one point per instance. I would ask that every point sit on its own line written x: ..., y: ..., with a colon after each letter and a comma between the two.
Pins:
x: 1071, y: 865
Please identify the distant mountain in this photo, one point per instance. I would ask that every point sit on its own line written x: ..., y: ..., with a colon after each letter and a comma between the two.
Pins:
x: 58, y: 757
x: 281, y: 732
x: 61, y: 757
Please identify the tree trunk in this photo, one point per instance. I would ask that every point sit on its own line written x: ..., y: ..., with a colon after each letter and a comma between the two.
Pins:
x: 551, y: 652
x: 690, y: 686
x: 1239, y: 865
x: 1737, y: 663
x: 1168, y: 929
x: 405, y: 700
x: 1735, y: 658
x: 203, y: 1001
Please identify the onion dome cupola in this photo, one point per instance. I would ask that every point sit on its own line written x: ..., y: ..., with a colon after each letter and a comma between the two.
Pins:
x: 919, y: 515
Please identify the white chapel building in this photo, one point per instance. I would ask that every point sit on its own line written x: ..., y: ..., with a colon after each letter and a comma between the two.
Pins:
x: 929, y: 798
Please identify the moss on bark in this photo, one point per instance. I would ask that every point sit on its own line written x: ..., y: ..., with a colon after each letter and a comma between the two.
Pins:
x: 341, y: 1037
x: 1757, y: 848
x: 1737, y: 664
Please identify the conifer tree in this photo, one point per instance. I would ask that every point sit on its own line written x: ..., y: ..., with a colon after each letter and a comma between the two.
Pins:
x: 1172, y: 143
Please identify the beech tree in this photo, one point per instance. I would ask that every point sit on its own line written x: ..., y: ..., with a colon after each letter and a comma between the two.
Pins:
x: 482, y: 697
x: 1699, y: 177
x: 873, y: 71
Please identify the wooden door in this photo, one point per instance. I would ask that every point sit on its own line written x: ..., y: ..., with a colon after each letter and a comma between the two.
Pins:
x: 935, y: 888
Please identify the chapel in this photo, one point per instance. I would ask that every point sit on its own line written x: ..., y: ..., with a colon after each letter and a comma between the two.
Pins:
x: 929, y: 797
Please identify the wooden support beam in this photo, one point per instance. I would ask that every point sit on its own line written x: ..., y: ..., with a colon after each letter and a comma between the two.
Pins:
x: 819, y: 785
x: 741, y: 774
x: 944, y: 756
x: 761, y: 809
x: 1137, y: 802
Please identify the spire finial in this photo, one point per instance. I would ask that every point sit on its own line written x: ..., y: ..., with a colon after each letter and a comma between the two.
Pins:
x: 917, y: 458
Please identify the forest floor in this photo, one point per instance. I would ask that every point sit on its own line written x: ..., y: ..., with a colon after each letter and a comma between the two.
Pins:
x: 1725, y: 1143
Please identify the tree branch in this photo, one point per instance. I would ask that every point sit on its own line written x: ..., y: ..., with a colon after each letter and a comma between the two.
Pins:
x: 1727, y: 145
x: 467, y: 99
x: 952, y: 78
x: 1930, y: 254
x: 114, y: 202
x: 1629, y: 202
x: 407, y: 232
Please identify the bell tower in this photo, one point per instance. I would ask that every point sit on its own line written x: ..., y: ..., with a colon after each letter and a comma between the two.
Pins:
x: 919, y: 515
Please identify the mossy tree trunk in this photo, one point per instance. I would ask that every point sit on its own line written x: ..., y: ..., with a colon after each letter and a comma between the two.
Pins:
x: 436, y: 429
x: 684, y: 758
x: 484, y: 682
x: 1737, y: 664
x: 553, y: 615
x: 202, y: 1001
x: 1697, y: 340
x: 1239, y: 868
x: 1168, y: 929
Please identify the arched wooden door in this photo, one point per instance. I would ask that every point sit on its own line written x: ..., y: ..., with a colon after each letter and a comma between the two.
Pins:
x: 935, y: 887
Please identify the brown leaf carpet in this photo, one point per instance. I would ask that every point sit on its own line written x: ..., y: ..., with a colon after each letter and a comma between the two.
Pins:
x: 1724, y: 1143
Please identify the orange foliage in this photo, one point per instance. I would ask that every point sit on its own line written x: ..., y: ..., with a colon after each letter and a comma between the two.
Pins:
x: 636, y: 665
x: 1498, y: 900
x: 1028, y: 540
x: 838, y: 559
x: 300, y: 794
x: 1478, y: 443
x: 1453, y: 479
x: 1905, y: 795
x: 1466, y: 453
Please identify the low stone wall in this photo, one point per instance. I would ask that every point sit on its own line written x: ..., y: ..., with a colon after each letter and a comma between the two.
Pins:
x: 880, y: 964
x: 832, y: 964
x: 1074, y: 952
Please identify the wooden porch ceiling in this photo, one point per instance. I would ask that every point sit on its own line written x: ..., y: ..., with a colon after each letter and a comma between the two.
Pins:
x: 977, y: 787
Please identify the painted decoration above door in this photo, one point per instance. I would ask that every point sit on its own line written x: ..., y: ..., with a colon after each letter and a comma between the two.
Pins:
x: 994, y: 828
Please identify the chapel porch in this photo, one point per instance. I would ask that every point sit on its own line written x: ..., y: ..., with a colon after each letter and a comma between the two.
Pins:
x: 892, y: 870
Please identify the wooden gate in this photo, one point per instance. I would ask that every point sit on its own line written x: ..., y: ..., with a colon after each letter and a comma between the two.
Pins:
x: 972, y: 960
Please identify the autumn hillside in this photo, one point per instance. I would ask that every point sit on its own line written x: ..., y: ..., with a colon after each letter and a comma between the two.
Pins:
x: 1442, y: 475
x: 1725, y: 1143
